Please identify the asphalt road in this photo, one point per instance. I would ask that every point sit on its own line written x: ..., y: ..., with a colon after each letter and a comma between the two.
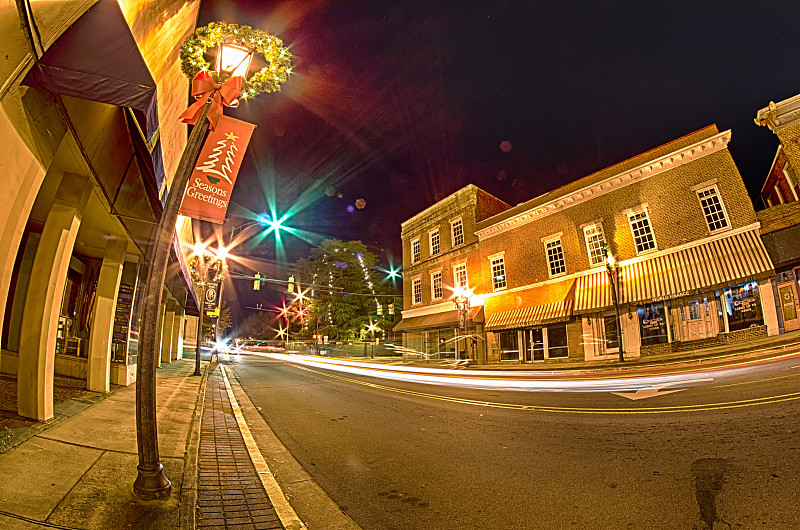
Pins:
x: 719, y: 451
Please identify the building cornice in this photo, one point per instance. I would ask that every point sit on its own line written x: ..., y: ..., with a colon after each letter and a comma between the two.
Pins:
x: 642, y: 172
x: 470, y: 190
x: 776, y: 115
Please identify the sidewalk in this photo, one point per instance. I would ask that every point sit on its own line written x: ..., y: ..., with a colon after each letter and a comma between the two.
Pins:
x: 77, y: 470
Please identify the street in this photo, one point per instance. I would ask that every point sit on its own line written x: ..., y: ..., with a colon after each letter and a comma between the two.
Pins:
x: 394, y: 459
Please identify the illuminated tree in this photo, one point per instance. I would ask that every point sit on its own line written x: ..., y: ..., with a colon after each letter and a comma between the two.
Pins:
x: 341, y: 289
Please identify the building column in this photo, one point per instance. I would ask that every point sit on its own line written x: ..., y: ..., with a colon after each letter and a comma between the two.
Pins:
x: 167, y: 322
x: 177, y: 334
x: 37, y: 347
x: 105, y: 307
x: 768, y: 309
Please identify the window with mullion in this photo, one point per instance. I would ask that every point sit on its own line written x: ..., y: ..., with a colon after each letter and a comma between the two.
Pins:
x: 713, y: 210
x: 642, y: 232
x: 415, y: 254
x: 436, y: 286
x: 416, y: 290
x: 457, y: 232
x: 555, y: 257
x: 460, y: 276
x: 595, y: 244
x: 498, y: 273
x: 434, y: 240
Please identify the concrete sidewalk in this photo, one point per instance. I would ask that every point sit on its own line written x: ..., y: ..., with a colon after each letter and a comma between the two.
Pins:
x: 77, y: 471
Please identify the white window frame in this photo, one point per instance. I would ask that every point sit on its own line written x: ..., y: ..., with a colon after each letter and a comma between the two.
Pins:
x: 553, y: 240
x: 456, y: 268
x: 453, y: 224
x: 701, y: 190
x: 416, y: 290
x: 498, y: 258
x: 416, y: 253
x: 434, y: 283
x: 790, y: 181
x: 434, y: 233
x: 586, y: 229
x: 641, y: 211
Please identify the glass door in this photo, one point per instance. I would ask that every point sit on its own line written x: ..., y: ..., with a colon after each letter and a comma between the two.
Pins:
x: 535, y: 343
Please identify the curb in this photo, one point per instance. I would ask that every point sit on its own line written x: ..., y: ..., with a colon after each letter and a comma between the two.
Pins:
x: 187, y: 503
x: 311, y: 503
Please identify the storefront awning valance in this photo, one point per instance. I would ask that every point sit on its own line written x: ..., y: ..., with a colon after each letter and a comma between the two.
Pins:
x: 725, y: 261
x: 439, y: 320
x: 530, y: 316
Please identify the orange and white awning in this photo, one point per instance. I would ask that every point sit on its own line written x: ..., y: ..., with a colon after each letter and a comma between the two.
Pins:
x: 725, y: 261
x: 530, y: 316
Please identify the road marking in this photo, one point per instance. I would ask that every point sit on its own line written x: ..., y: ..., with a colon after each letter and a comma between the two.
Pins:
x: 570, y: 410
x: 652, y: 391
x: 285, y: 512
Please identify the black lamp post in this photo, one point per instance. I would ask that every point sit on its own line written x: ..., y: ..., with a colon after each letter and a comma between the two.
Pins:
x: 461, y: 299
x: 613, y: 278
x: 150, y: 481
x: 206, y: 268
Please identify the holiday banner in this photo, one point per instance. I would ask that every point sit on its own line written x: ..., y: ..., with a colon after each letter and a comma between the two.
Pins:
x: 210, y: 186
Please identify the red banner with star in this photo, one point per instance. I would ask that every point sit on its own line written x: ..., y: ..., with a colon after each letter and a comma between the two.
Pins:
x: 211, y: 184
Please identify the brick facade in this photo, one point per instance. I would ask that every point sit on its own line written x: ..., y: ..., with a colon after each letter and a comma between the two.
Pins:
x: 664, y: 183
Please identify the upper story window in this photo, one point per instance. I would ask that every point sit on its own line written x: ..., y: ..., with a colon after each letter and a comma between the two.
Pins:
x: 498, y: 265
x: 416, y: 291
x: 595, y: 243
x: 642, y: 231
x: 436, y: 286
x: 713, y: 209
x: 433, y: 237
x: 415, y: 257
x: 555, y: 257
x: 457, y: 232
x: 460, y: 276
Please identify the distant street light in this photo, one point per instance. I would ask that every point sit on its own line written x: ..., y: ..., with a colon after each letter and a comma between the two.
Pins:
x: 612, y: 270
x: 212, y: 89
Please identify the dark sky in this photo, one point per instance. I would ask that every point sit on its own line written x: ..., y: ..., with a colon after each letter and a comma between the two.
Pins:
x: 401, y: 103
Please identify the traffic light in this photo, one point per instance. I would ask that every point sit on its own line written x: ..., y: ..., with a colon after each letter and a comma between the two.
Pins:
x: 391, y: 309
x: 257, y: 282
x: 290, y: 288
x: 380, y: 310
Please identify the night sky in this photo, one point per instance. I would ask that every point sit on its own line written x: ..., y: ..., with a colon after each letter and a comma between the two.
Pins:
x: 401, y: 103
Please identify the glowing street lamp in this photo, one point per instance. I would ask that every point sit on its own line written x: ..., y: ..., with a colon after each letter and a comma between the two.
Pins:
x: 612, y: 269
x: 461, y: 299
x: 233, y: 60
x: 213, y: 88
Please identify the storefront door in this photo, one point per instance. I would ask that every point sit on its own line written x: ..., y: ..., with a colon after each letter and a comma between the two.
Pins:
x: 535, y: 340
x: 789, y: 308
x: 696, y: 319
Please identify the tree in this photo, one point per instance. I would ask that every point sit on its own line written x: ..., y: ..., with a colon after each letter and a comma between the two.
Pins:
x: 258, y: 326
x: 341, y: 289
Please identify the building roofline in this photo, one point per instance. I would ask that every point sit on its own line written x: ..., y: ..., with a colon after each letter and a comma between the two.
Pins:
x: 537, y: 208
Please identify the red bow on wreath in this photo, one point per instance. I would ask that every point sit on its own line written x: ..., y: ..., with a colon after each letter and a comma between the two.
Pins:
x: 202, y: 87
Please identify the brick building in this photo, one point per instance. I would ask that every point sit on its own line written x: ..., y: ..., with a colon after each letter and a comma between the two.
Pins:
x: 439, y: 255
x: 689, y: 263
x: 780, y: 221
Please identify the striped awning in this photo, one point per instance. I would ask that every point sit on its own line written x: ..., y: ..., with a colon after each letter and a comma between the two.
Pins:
x: 530, y: 316
x: 725, y: 261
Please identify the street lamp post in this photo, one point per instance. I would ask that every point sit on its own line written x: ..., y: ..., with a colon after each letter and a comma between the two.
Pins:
x: 461, y: 299
x: 205, y: 268
x: 150, y: 481
x: 611, y: 270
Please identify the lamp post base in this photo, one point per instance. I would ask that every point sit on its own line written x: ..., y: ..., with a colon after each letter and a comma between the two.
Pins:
x: 152, y: 484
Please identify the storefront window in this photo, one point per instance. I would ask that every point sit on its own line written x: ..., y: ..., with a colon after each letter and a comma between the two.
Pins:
x: 447, y: 343
x: 414, y: 342
x: 743, y: 305
x: 509, y: 346
x: 557, y: 341
x: 653, y: 323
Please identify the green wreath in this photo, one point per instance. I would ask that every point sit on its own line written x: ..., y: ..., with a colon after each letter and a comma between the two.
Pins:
x: 195, y: 274
x: 268, y: 79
